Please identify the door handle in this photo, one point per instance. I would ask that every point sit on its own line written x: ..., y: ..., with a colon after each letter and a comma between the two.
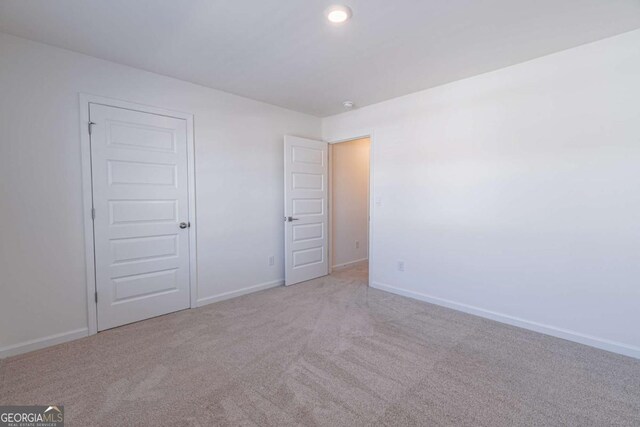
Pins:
x: 184, y: 225
x: 290, y: 218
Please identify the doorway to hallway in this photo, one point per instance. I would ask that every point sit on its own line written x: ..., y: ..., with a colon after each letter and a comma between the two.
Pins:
x: 349, y: 175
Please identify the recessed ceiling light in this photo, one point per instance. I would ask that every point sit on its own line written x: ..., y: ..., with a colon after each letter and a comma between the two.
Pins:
x: 338, y: 14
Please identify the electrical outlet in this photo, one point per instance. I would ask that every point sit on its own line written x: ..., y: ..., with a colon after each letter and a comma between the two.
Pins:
x: 357, y: 244
x: 272, y: 261
x: 400, y: 265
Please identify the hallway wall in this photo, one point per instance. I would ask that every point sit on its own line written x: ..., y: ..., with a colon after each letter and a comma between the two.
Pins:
x: 350, y: 201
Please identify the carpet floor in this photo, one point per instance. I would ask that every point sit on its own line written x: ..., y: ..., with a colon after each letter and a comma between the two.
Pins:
x: 331, y: 351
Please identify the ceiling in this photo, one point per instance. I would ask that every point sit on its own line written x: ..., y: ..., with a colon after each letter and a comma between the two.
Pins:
x: 286, y: 53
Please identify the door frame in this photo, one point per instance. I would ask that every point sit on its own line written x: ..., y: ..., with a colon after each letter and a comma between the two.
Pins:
x: 343, y: 138
x: 87, y: 195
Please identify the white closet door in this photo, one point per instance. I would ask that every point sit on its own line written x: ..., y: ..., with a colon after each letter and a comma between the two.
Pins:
x: 140, y: 196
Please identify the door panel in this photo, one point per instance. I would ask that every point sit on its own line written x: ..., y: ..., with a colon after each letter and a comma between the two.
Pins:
x: 306, y: 174
x: 140, y: 196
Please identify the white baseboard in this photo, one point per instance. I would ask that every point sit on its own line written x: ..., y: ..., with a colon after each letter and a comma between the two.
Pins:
x: 349, y: 264
x: 39, y: 343
x: 603, y: 344
x: 239, y: 292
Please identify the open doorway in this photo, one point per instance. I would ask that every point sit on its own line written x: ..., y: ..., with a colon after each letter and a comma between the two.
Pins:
x: 349, y: 175
x: 327, y: 208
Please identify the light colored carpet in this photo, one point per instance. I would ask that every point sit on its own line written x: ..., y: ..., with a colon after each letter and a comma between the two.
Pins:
x: 328, y: 352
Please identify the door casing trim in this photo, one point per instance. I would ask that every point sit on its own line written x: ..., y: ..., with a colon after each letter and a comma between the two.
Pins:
x: 87, y: 195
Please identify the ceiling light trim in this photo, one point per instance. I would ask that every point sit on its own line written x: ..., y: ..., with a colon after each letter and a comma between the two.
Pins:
x: 338, y: 14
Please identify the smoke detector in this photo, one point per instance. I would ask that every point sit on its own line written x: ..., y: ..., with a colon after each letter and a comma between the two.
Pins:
x: 348, y: 105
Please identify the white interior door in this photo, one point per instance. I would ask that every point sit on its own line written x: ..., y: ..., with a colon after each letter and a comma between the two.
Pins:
x: 140, y: 197
x: 305, y: 209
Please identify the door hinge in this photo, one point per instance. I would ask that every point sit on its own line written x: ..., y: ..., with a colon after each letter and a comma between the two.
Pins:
x: 89, y: 126
x: 93, y: 213
x: 96, y: 295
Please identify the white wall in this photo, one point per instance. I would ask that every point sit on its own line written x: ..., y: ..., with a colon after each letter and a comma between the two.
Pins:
x: 239, y: 175
x: 516, y: 194
x: 349, y: 202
